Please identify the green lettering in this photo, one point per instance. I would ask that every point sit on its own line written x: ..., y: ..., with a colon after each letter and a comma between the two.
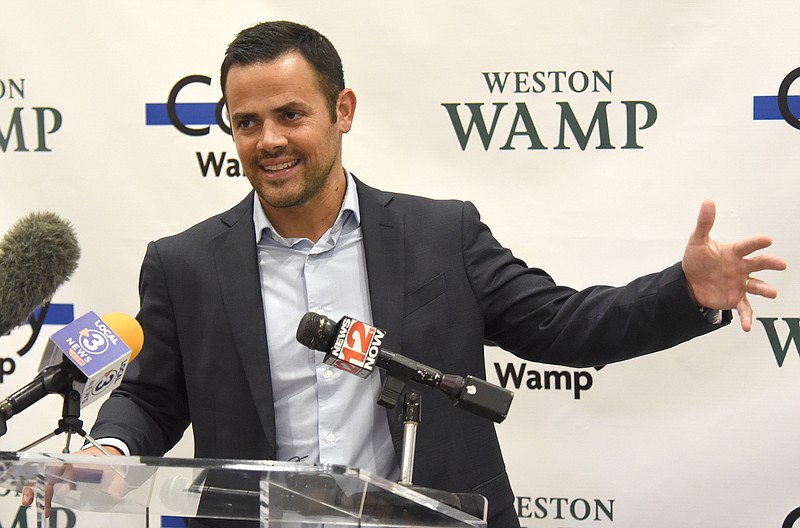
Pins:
x: 476, y: 121
x: 529, y: 130
x: 599, y: 119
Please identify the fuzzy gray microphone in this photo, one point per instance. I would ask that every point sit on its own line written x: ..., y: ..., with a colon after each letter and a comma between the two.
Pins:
x: 37, y: 255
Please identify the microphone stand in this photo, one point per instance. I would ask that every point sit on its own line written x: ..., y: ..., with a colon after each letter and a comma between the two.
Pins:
x: 70, y: 423
x: 411, y: 416
x: 412, y: 412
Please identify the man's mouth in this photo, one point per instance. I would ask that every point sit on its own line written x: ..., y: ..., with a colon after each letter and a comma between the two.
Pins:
x: 280, y: 166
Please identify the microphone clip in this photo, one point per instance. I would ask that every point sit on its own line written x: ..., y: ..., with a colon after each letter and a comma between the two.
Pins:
x: 399, y: 371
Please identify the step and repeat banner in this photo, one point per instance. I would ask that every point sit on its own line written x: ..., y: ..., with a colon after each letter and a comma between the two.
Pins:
x: 586, y: 133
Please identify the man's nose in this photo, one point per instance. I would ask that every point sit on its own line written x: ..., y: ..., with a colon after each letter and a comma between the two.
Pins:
x: 272, y: 138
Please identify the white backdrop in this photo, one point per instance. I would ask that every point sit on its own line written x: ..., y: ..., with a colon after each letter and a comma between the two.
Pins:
x: 701, y: 435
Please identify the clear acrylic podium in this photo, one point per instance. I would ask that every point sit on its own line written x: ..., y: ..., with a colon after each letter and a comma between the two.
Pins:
x: 141, y: 492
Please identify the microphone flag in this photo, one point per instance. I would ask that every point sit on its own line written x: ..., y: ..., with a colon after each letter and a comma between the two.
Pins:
x: 98, y: 353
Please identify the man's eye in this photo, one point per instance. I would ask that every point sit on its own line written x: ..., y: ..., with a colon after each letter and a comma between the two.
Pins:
x: 244, y: 123
x: 291, y: 116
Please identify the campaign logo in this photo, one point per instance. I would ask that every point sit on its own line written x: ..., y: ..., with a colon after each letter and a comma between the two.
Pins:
x: 782, y: 106
x: 27, y: 125
x: 565, y: 509
x: 25, y: 516
x: 185, y: 115
x: 52, y: 314
x: 774, y: 330
x: 512, y: 375
x: 791, y: 519
x: 528, y: 116
x: 196, y: 119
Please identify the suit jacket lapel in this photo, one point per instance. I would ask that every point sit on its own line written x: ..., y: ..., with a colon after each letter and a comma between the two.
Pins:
x: 237, y: 270
x: 382, y: 229
x: 383, y: 232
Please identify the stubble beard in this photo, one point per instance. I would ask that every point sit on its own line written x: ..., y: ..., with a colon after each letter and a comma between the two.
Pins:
x: 276, y: 195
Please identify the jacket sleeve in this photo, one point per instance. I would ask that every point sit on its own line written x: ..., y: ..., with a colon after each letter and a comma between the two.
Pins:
x: 149, y: 411
x: 526, y: 313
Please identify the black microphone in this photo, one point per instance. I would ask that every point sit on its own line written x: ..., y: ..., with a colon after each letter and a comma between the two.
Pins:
x: 37, y: 255
x: 356, y: 347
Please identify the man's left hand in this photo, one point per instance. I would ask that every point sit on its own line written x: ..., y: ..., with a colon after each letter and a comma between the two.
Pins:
x: 719, y: 275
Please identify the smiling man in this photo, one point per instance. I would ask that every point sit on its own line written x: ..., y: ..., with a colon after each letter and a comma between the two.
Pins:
x: 289, y: 139
x: 220, y: 302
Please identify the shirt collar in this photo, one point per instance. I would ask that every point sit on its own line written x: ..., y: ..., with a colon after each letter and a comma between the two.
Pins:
x: 349, y: 216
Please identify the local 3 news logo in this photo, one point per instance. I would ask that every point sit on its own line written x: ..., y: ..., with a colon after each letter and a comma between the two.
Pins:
x: 356, y: 347
x: 93, y: 341
x: 108, y: 379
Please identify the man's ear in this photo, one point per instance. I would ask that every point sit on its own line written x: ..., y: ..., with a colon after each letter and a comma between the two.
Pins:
x: 346, y: 109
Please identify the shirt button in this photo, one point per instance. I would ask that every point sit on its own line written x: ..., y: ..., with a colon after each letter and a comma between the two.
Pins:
x: 331, y: 437
x: 328, y: 374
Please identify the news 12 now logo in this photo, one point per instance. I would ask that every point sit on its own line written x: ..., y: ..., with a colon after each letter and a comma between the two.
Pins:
x: 781, y: 106
x: 24, y: 122
x: 356, y: 347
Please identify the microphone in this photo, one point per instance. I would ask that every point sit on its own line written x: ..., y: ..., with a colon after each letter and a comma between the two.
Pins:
x: 355, y: 347
x: 38, y: 254
x: 89, y: 355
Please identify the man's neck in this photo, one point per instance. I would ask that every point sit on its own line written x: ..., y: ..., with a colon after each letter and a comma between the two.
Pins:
x: 312, y: 219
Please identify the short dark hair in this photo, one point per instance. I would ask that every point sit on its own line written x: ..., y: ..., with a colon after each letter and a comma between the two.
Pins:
x: 267, y: 41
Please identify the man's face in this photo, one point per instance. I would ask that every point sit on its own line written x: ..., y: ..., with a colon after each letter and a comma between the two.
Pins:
x: 283, y: 132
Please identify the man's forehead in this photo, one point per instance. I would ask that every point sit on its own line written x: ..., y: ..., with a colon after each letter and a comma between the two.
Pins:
x: 290, y: 65
x: 283, y: 75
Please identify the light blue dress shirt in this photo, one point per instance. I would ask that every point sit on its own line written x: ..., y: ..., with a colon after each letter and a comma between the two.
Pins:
x: 322, y: 415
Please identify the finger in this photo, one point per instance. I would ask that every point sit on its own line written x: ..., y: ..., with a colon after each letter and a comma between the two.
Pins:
x: 48, y: 499
x: 745, y: 312
x: 750, y: 245
x: 766, y: 262
x: 705, y: 221
x: 760, y: 288
x: 27, y: 496
x: 118, y: 486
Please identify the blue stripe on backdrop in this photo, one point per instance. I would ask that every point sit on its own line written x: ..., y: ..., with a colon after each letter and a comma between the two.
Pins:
x: 58, y: 314
x: 766, y: 107
x: 188, y: 113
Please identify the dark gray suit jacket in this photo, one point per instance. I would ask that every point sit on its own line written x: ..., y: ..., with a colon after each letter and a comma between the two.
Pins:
x: 440, y: 285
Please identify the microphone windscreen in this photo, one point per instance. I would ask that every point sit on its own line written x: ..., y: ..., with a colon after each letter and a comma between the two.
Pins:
x: 316, y: 331
x: 37, y: 255
x: 128, y: 329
